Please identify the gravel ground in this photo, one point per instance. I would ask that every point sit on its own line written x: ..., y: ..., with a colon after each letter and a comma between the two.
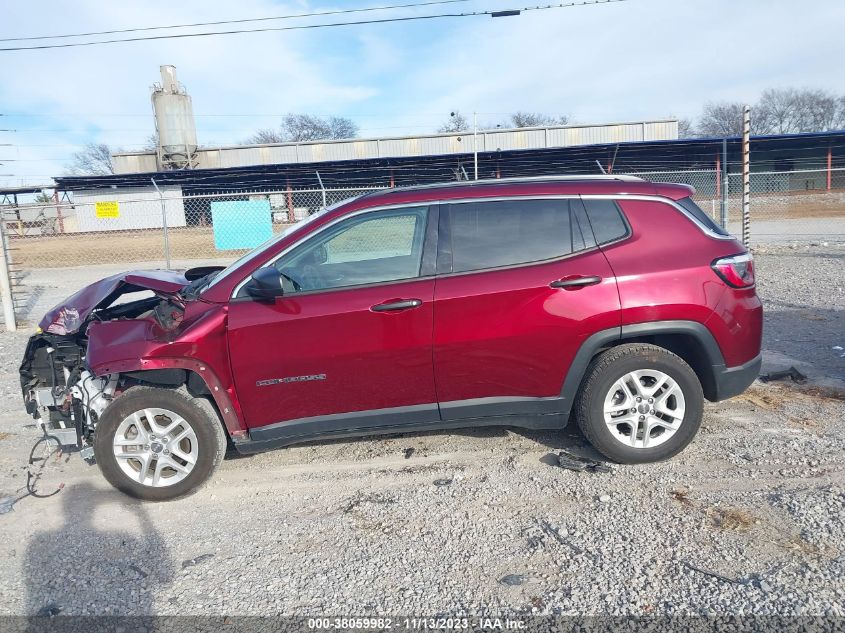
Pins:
x: 748, y: 520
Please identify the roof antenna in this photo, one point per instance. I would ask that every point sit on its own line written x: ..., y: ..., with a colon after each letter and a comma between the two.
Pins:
x: 600, y: 167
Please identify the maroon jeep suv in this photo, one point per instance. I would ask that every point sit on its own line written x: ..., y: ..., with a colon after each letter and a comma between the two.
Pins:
x: 612, y: 301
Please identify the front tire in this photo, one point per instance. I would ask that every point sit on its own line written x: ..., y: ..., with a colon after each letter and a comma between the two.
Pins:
x: 639, y: 403
x: 158, y: 444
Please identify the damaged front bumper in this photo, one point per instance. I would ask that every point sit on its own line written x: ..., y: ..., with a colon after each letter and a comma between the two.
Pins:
x: 62, y: 396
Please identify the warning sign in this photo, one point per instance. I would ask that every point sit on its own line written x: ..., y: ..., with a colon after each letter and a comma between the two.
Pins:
x: 107, y: 209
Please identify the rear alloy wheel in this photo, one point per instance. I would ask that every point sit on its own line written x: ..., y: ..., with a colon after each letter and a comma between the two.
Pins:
x: 158, y: 444
x: 639, y: 403
x: 644, y: 408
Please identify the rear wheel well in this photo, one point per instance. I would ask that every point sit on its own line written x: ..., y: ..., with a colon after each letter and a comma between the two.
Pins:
x: 688, y: 347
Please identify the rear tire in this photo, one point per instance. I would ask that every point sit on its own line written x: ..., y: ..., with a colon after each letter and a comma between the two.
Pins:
x: 159, y: 444
x: 639, y: 403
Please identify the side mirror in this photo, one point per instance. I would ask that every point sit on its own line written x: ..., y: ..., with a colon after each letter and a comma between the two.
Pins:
x: 265, y: 283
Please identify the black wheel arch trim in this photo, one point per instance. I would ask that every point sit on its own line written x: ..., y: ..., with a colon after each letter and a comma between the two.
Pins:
x: 723, y: 381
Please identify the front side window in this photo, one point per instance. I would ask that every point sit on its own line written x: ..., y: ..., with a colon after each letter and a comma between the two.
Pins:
x: 367, y: 249
x: 489, y: 234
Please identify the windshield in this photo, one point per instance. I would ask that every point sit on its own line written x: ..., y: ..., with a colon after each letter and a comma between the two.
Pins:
x: 260, y: 250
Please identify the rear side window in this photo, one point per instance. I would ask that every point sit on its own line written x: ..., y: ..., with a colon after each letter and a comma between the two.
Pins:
x: 504, y: 233
x: 701, y: 217
x: 606, y: 220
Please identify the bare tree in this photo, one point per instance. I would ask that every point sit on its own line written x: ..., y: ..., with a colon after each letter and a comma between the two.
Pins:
x: 790, y: 111
x: 456, y: 122
x: 536, y: 119
x: 722, y: 118
x: 307, y: 127
x: 151, y: 144
x: 93, y: 160
x: 686, y: 129
x: 823, y: 111
x: 778, y: 111
x: 267, y: 135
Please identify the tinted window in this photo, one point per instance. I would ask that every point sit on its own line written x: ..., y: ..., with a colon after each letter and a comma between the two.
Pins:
x: 606, y: 220
x: 698, y: 213
x: 491, y: 234
x: 372, y: 248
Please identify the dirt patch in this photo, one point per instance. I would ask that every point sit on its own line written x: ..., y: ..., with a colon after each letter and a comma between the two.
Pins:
x: 75, y: 249
x: 806, y: 424
x: 825, y: 393
x: 768, y: 400
x: 731, y: 518
x: 812, y: 316
x: 371, y: 498
x: 799, y: 546
x: 681, y: 496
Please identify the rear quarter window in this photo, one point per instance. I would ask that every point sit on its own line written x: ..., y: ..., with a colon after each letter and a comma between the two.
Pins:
x: 701, y: 217
x: 606, y: 219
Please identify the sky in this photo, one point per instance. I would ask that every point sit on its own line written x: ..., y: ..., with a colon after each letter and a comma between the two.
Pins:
x: 626, y: 61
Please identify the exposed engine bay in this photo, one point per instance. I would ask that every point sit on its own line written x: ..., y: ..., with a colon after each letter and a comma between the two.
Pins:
x: 60, y: 392
x: 59, y: 389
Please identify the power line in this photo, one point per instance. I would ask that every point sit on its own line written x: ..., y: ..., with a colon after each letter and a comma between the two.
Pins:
x: 240, y: 21
x: 314, y: 26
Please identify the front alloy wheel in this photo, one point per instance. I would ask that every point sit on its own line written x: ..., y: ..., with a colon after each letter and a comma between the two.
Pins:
x: 156, y: 447
x: 158, y: 444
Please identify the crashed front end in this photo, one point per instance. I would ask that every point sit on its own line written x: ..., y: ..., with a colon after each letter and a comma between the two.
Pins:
x: 60, y: 390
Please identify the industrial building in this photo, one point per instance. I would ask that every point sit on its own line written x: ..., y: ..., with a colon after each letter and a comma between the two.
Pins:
x: 779, y: 163
x: 179, y: 169
x: 451, y: 144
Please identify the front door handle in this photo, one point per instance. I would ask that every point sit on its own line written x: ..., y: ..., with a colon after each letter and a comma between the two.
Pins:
x: 573, y: 283
x: 393, y: 306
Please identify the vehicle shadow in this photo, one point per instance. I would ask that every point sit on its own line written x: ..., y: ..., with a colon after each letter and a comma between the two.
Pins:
x: 568, y: 439
x: 807, y: 334
x: 84, y: 569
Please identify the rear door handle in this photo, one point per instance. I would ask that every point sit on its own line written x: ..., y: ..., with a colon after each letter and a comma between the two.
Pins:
x: 575, y: 282
x: 393, y: 306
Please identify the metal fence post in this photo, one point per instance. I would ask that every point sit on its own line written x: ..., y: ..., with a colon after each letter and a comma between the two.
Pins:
x: 725, y: 184
x: 6, y: 282
x: 322, y: 188
x: 746, y: 176
x: 163, y: 224
x: 475, y: 143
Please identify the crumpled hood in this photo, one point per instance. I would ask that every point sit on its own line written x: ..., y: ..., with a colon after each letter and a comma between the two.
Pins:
x: 70, y: 314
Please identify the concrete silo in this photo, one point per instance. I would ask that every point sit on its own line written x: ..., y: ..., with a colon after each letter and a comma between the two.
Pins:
x: 175, y: 125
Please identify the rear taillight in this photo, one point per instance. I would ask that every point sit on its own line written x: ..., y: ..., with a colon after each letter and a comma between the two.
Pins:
x: 736, y: 271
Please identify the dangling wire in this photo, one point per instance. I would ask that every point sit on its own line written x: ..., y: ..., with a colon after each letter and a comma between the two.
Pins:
x: 32, y: 479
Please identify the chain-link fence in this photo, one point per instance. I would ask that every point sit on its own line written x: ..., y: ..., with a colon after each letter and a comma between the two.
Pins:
x: 152, y: 229
x: 785, y: 205
x: 54, y: 249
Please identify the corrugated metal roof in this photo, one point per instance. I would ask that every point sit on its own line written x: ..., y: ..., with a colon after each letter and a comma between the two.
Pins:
x: 403, y: 146
x: 411, y: 170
